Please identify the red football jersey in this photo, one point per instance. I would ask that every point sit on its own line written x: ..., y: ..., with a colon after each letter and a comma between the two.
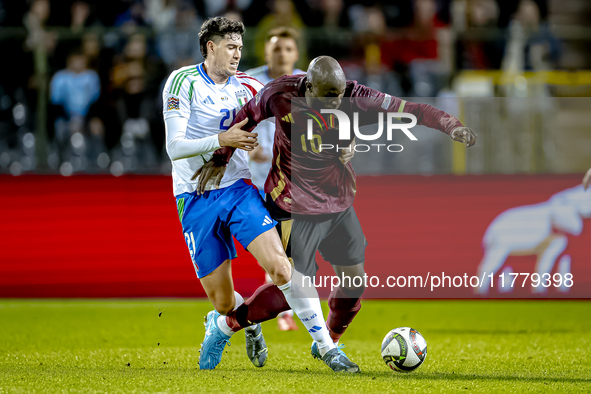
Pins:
x: 305, y: 179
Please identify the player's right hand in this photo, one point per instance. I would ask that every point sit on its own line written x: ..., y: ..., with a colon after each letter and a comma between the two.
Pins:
x: 587, y: 179
x: 238, y: 138
x: 208, y: 171
x: 464, y: 135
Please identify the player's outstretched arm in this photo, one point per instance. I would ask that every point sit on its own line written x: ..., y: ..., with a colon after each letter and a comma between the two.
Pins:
x: 587, y: 179
x: 427, y: 115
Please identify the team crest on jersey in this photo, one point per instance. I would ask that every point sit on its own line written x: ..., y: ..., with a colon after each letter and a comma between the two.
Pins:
x: 172, y: 104
x: 241, y: 97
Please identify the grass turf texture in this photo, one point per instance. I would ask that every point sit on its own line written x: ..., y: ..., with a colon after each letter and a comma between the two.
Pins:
x: 148, y: 346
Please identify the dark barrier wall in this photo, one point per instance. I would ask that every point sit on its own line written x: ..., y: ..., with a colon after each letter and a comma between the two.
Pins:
x: 98, y: 236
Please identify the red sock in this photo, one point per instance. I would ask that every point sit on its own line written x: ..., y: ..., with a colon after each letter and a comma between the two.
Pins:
x: 342, y: 312
x: 265, y: 304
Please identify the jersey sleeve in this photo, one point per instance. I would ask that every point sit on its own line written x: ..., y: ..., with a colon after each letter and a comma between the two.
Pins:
x: 256, y: 110
x: 177, y: 96
x: 371, y: 100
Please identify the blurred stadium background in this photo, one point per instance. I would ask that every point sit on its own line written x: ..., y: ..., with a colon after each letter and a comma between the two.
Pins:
x: 86, y: 204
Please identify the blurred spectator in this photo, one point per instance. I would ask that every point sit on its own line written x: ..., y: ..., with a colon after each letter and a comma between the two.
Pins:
x: 531, y: 45
x: 334, y: 14
x: 473, y: 53
x: 281, y: 52
x: 177, y: 26
x: 421, y: 38
x: 76, y: 87
x: 136, y: 54
x: 234, y: 14
x: 36, y: 21
x: 134, y: 15
x: 216, y: 7
x: 283, y: 14
x: 508, y: 9
x: 136, y: 78
x: 102, y: 120
x: 138, y: 114
x: 161, y: 13
x: 72, y: 92
x: 326, y: 13
x: 80, y: 11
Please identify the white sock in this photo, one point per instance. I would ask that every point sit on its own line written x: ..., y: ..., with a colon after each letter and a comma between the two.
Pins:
x: 282, y: 314
x: 308, y: 309
x: 223, y: 325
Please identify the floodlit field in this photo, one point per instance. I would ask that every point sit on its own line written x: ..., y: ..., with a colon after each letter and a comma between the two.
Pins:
x: 149, y: 346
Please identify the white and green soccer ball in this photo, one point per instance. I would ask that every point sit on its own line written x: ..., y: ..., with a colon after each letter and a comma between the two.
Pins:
x: 404, y: 349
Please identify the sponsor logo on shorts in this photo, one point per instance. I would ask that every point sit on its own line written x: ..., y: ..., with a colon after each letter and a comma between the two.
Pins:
x: 267, y: 221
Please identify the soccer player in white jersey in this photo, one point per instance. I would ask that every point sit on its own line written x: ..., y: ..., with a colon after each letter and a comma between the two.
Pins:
x: 281, y: 55
x: 200, y: 102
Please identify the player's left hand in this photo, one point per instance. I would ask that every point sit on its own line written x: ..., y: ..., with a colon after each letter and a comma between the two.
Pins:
x: 464, y: 135
x: 207, y: 171
x: 348, y: 153
x: 587, y: 179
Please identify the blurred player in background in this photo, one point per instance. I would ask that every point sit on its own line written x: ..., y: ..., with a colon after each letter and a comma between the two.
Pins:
x: 200, y: 103
x: 281, y: 54
x: 310, y: 190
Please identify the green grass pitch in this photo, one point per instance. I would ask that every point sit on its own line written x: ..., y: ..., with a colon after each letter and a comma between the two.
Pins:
x: 126, y: 345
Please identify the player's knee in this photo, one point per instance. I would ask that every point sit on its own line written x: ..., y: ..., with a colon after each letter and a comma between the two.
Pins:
x: 353, y: 291
x: 280, y: 273
x: 224, y: 305
x: 354, y: 286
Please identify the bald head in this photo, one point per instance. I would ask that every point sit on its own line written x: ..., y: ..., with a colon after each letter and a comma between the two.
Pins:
x: 326, y: 82
x: 325, y: 69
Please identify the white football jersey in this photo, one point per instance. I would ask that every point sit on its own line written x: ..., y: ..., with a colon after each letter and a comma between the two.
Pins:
x: 209, y: 108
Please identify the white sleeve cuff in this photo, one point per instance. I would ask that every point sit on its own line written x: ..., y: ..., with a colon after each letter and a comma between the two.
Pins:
x: 179, y: 147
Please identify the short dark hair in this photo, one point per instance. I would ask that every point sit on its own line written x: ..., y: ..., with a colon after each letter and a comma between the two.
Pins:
x: 214, y: 29
x: 283, y: 32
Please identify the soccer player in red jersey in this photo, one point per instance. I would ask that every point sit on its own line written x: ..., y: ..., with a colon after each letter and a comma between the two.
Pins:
x: 311, y: 190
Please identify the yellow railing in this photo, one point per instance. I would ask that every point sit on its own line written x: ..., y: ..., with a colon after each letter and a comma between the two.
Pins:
x: 561, y: 78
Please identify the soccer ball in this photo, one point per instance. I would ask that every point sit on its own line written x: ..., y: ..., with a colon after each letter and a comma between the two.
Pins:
x: 404, y: 349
